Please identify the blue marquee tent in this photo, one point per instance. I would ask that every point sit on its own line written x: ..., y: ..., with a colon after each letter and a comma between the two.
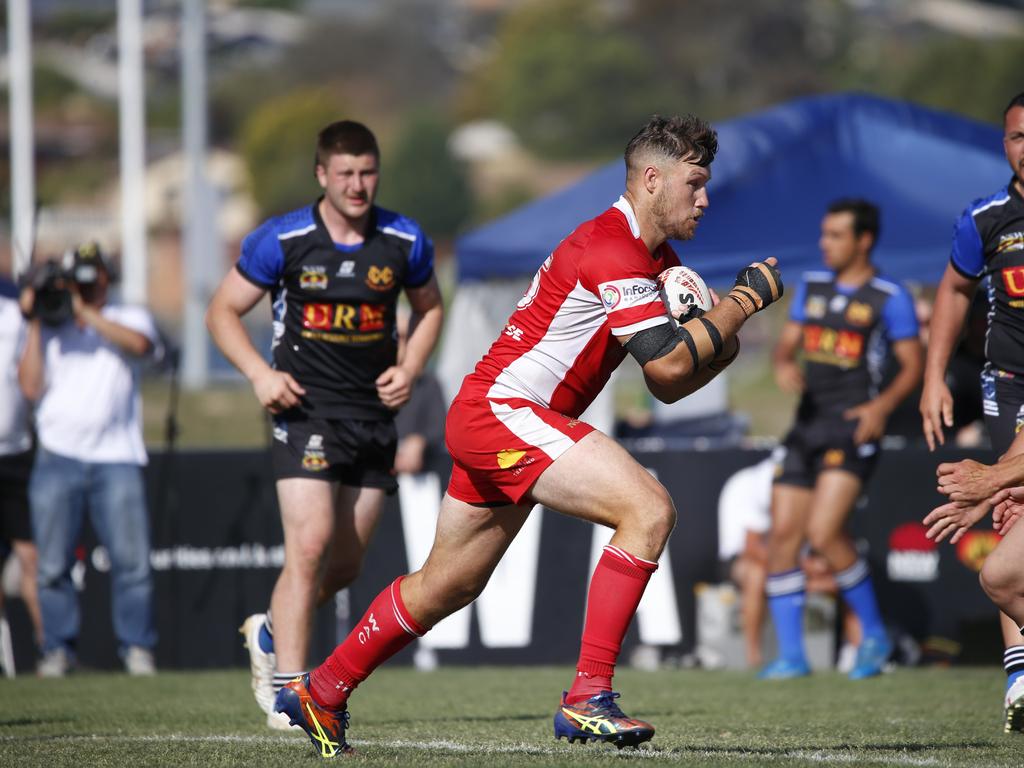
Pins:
x: 775, y: 172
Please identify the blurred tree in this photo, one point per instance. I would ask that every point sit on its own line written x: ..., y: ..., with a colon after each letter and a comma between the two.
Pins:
x: 421, y: 179
x: 567, y: 80
x: 971, y: 77
x: 279, y: 142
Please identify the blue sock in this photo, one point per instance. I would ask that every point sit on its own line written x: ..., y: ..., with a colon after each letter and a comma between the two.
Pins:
x: 859, y: 593
x: 266, y: 640
x: 1013, y: 663
x: 786, y: 592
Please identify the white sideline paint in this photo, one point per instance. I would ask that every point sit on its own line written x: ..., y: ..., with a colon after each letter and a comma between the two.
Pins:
x: 843, y: 757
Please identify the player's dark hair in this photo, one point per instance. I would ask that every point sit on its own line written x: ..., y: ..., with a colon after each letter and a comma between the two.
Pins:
x: 345, y: 137
x: 1016, y: 101
x: 682, y: 137
x: 866, y: 217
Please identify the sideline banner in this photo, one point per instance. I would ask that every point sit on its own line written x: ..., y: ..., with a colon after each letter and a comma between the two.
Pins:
x: 217, y: 548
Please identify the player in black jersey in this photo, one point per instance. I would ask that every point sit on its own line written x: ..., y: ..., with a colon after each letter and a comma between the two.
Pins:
x: 988, y: 249
x: 842, y: 320
x: 334, y: 270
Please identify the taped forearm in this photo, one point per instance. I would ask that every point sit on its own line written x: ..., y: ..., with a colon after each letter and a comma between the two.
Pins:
x: 703, y: 339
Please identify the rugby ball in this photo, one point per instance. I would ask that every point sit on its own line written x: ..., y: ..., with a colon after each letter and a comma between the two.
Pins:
x: 682, y: 291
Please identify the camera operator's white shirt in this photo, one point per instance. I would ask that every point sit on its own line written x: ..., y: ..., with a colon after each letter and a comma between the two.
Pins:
x: 15, y: 436
x: 91, y: 409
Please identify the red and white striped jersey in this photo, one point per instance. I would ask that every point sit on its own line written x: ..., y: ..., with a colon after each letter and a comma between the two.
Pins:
x: 559, y: 347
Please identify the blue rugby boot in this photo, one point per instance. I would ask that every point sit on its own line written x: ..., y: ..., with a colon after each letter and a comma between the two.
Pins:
x: 600, y: 719
x: 785, y: 669
x: 325, y: 727
x: 872, y: 654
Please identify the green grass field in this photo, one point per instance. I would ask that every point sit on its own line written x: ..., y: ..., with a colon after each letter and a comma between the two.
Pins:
x: 502, y: 716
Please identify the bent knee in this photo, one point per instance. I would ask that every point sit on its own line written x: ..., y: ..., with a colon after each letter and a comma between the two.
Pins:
x: 1000, y: 579
x: 656, y: 512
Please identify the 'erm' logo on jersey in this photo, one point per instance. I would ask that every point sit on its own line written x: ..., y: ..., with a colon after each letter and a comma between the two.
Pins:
x: 344, y: 317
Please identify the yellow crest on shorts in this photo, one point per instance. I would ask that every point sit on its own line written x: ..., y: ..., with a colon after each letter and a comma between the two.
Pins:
x: 509, y: 458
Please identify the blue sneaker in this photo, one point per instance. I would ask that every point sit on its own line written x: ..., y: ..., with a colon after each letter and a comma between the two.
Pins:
x: 871, y: 657
x: 325, y: 727
x: 785, y: 669
x: 600, y: 719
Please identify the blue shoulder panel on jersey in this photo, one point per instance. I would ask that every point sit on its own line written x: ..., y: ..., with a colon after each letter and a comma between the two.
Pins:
x: 796, y: 306
x: 421, y: 254
x: 968, y: 255
x: 262, y: 259
x: 898, y: 313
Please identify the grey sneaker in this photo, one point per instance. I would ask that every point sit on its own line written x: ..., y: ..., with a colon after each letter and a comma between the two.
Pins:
x: 138, y: 661
x: 261, y: 663
x: 55, y: 663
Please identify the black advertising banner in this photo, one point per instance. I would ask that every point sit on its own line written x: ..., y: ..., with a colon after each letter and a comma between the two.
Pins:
x: 217, y: 548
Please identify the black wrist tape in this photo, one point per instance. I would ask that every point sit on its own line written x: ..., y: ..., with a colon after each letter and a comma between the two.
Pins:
x: 703, y: 340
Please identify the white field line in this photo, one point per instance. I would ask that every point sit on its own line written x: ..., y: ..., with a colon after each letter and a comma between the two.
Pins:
x: 844, y: 756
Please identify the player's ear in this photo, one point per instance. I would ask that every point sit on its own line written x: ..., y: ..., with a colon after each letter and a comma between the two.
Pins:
x: 652, y: 177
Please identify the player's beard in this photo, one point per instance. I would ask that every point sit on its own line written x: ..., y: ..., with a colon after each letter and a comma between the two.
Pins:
x: 673, y: 229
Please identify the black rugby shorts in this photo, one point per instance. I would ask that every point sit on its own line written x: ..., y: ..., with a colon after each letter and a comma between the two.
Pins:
x: 15, y: 521
x: 353, y: 452
x: 821, y: 444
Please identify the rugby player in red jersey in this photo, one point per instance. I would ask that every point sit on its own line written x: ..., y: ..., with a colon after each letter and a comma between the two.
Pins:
x: 516, y: 439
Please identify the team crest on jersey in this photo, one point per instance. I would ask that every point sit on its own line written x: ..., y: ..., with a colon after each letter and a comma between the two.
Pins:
x: 313, y: 458
x: 859, y: 313
x: 815, y: 307
x: 313, y: 278
x: 380, y: 278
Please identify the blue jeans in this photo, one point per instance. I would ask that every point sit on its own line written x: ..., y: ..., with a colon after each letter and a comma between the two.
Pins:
x: 61, y: 491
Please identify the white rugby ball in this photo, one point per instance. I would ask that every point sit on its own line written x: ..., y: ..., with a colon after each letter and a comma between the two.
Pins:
x: 682, y: 290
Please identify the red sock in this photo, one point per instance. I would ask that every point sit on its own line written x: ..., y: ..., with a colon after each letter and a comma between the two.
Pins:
x: 615, y: 591
x: 385, y: 629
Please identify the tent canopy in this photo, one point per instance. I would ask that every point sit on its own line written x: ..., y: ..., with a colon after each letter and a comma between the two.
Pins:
x: 774, y: 175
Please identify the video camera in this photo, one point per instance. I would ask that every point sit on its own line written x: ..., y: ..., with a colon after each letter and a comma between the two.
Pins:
x: 52, y: 279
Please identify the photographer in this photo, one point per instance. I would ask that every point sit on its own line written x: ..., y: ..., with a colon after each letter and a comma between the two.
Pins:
x: 81, y: 368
